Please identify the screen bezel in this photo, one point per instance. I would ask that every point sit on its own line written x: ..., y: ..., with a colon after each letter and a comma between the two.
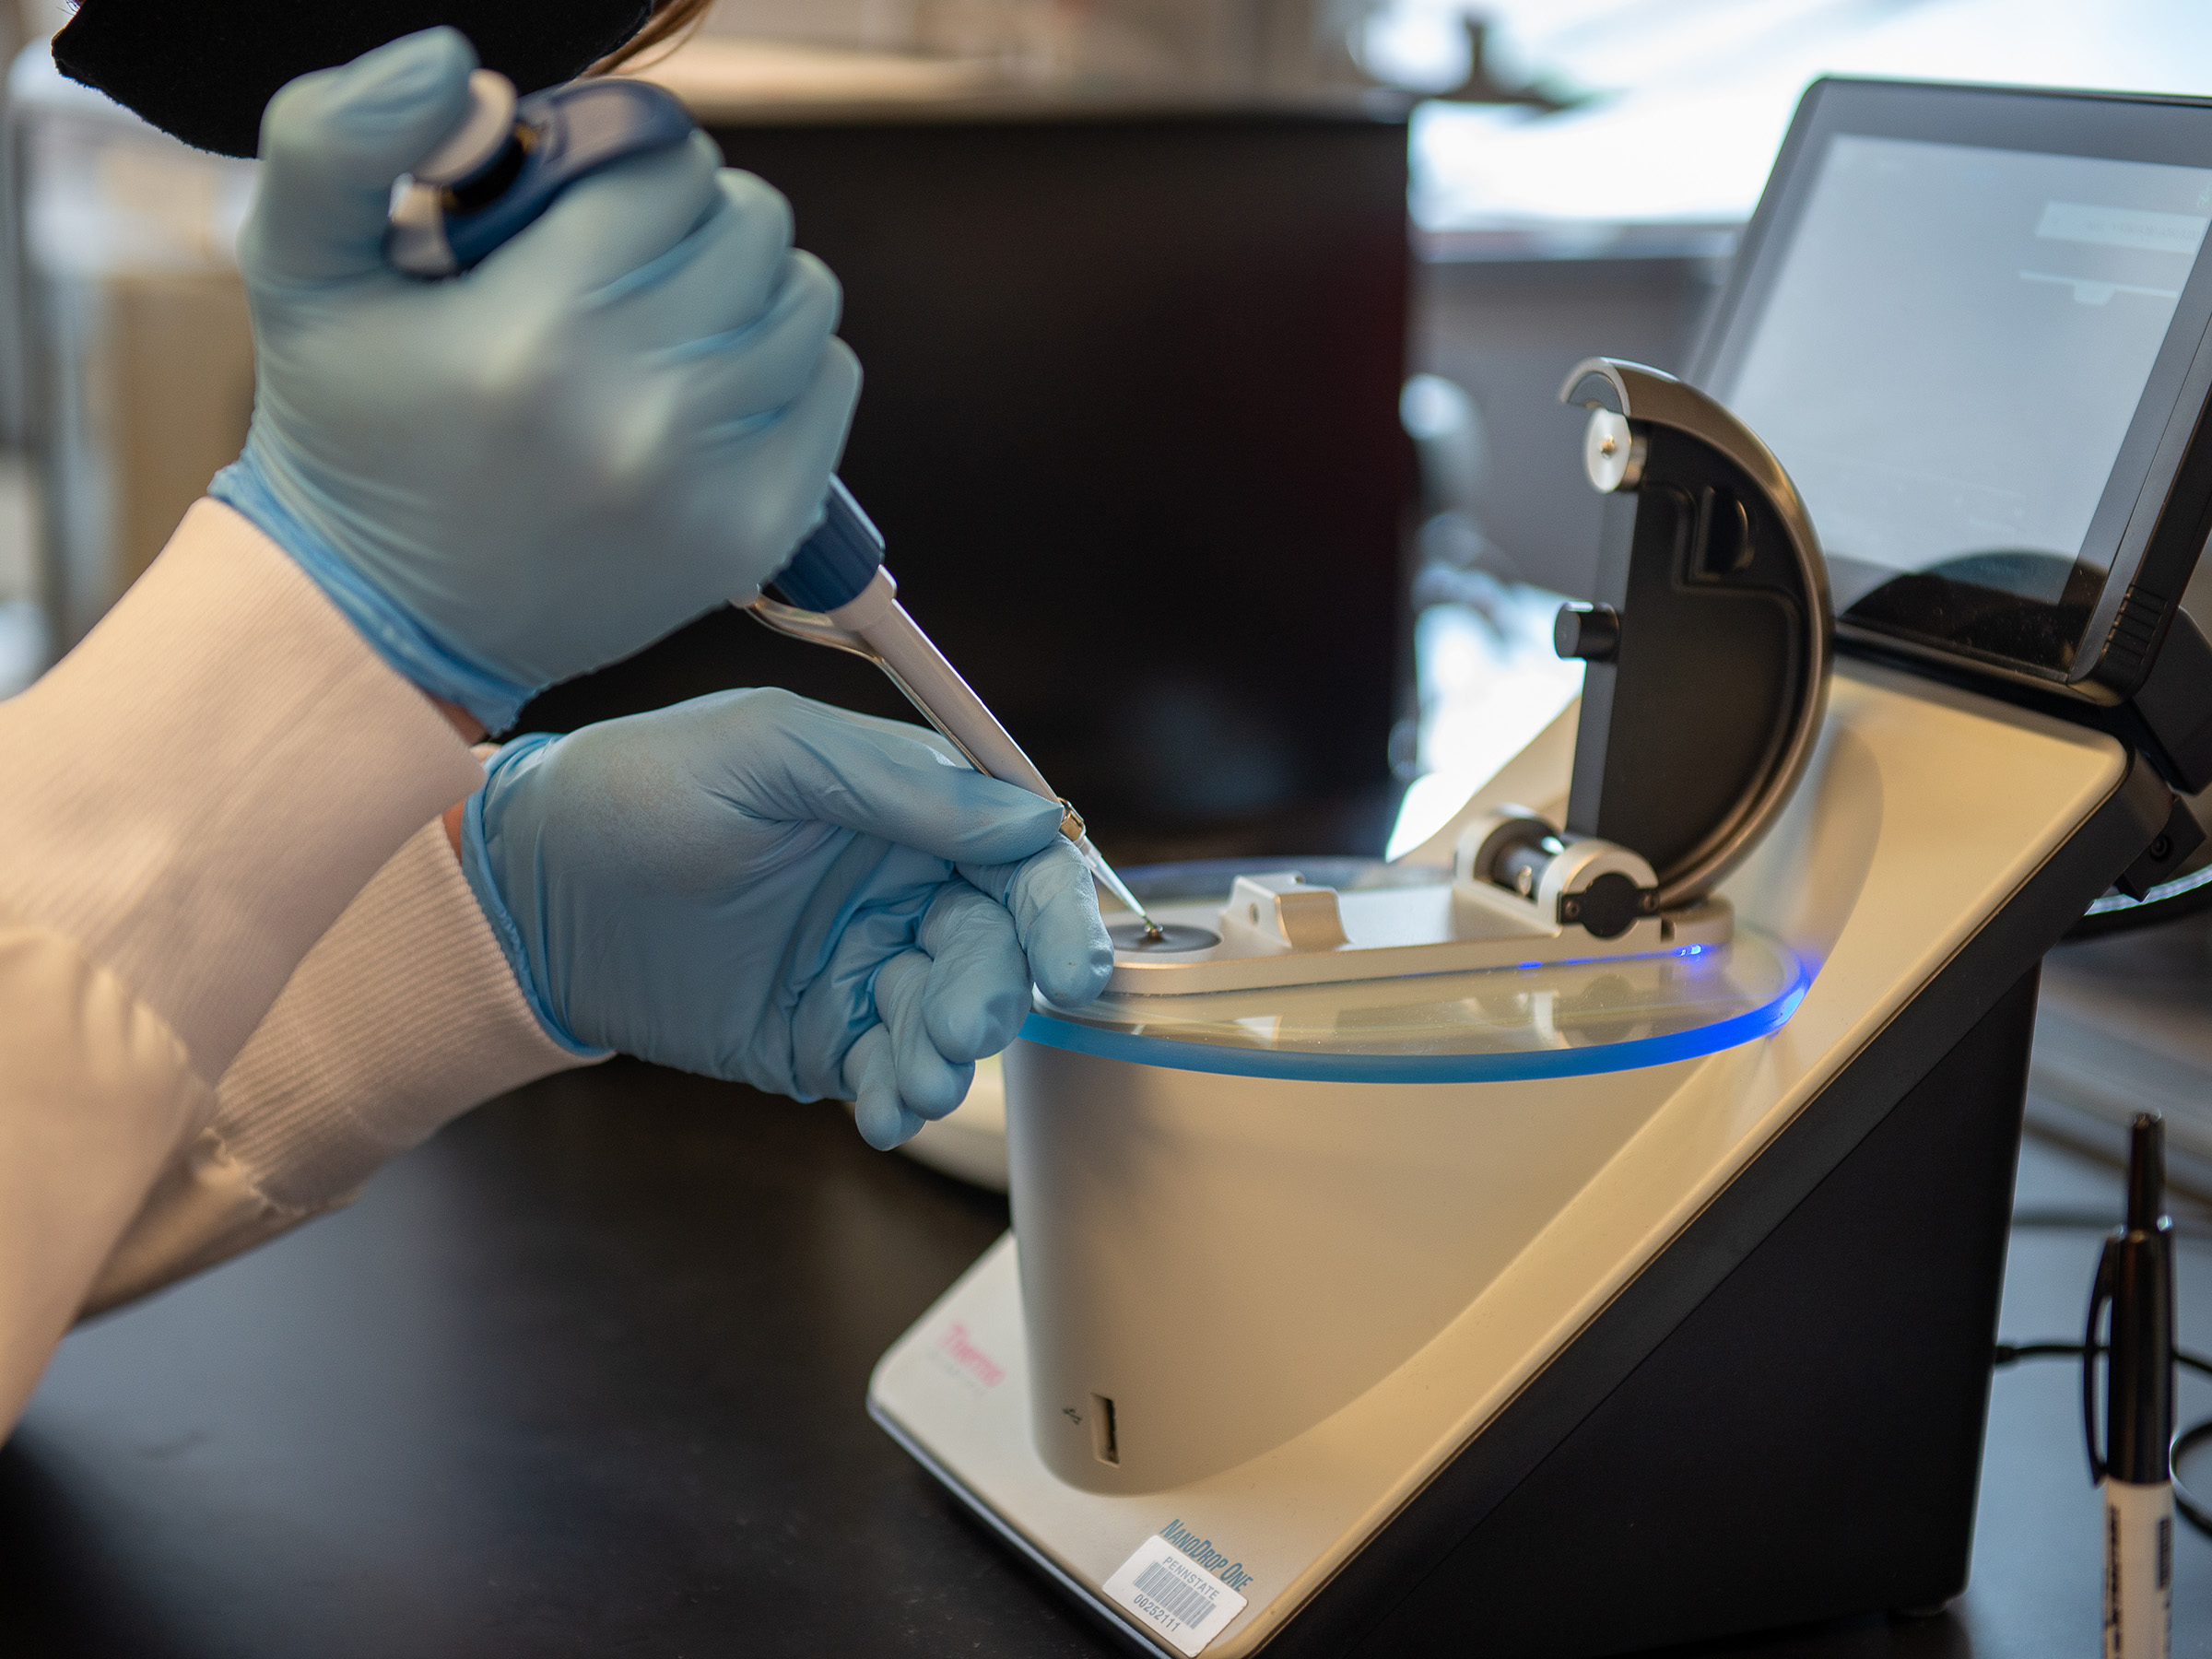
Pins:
x: 2065, y: 643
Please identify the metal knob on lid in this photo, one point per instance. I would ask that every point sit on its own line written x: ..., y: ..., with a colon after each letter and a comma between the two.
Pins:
x: 1589, y: 632
x: 1612, y: 454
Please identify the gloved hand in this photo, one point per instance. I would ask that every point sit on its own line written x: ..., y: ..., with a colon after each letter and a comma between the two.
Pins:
x: 758, y: 887
x: 623, y: 418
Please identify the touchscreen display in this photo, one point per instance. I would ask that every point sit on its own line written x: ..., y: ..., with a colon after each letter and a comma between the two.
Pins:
x: 1951, y: 350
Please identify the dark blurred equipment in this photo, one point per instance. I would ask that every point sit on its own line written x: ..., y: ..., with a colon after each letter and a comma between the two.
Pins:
x: 205, y: 71
x: 1482, y: 85
x: 1132, y: 422
x: 1503, y: 314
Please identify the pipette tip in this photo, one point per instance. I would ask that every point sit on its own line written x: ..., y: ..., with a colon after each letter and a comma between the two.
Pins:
x: 1096, y: 861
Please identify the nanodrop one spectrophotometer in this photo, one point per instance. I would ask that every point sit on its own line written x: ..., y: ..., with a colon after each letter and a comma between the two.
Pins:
x: 1596, y: 1244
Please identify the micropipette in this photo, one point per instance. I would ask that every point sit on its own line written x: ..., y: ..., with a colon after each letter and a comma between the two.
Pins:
x: 848, y: 601
x: 498, y: 169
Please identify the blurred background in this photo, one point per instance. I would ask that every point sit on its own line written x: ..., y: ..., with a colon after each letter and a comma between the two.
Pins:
x: 1212, y: 348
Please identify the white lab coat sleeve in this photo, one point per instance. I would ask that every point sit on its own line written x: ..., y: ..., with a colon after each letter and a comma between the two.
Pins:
x: 187, y: 801
x: 403, y: 1016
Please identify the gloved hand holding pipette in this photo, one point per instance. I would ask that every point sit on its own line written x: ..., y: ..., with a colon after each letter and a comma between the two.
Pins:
x: 501, y: 164
x: 762, y: 888
x: 846, y: 1004
x: 793, y: 959
x: 653, y: 338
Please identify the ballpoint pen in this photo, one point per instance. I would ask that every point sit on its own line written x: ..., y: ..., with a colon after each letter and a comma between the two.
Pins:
x: 2136, y: 1276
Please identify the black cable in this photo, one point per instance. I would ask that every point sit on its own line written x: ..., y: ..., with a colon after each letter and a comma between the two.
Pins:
x: 2185, y: 1227
x: 2012, y: 1353
x: 2183, y: 1505
x: 2186, y: 1441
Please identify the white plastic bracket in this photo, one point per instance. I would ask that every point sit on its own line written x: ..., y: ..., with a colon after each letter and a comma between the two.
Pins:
x: 1275, y: 912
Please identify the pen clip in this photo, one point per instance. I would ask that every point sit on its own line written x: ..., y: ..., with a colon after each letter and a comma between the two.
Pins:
x: 2108, y: 1268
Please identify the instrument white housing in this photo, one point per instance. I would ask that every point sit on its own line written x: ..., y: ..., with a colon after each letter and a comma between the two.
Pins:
x: 1296, y: 1303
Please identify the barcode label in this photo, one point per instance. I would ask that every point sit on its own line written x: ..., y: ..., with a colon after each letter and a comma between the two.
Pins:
x: 1172, y: 1594
x: 1183, y: 1601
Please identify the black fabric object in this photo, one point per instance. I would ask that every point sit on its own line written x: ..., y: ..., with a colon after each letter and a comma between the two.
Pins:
x: 205, y: 71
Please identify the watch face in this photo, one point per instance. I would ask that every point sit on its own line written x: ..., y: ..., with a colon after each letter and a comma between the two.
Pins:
x: 204, y: 70
x: 1964, y: 326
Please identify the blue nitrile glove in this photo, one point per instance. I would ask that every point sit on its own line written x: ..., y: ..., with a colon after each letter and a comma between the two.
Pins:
x: 758, y: 887
x: 625, y: 416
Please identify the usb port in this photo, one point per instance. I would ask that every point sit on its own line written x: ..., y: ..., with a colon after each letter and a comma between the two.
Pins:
x: 1105, y: 1445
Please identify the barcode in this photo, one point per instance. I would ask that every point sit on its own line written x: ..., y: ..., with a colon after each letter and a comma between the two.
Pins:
x: 1176, y: 1596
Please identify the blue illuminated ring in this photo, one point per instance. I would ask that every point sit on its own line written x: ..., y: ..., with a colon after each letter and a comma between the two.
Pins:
x: 1516, y: 1066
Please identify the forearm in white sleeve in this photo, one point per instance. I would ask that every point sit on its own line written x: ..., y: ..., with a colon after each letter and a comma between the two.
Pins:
x: 196, y: 790
x: 402, y: 1017
x: 187, y: 801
